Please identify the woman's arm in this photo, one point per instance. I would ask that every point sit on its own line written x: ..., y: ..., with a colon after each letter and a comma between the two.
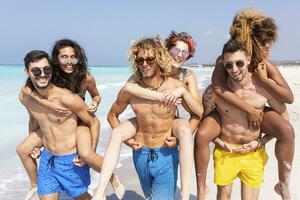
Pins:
x: 219, y: 78
x: 278, y: 88
x: 94, y: 93
x: 131, y: 87
x: 27, y: 92
x: 194, y: 101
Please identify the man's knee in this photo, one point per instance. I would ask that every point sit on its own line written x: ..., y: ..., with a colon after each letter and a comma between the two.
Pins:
x: 223, y: 194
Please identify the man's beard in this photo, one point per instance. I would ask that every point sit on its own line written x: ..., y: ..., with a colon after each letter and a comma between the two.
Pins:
x: 238, y: 79
x: 38, y: 87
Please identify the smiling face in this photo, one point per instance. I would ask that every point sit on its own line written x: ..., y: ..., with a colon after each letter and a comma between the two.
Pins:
x: 147, y: 63
x: 236, y: 64
x: 67, y: 59
x: 40, y: 73
x: 265, y: 47
x: 180, y: 52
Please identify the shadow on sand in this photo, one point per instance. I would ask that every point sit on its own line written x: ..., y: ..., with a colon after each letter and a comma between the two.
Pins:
x: 132, y: 195
x: 129, y: 195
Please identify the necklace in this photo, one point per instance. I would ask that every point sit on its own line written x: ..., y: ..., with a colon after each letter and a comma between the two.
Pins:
x: 144, y: 85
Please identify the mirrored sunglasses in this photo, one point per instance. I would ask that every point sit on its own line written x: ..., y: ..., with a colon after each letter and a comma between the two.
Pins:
x: 66, y: 61
x: 36, y: 71
x: 174, y: 51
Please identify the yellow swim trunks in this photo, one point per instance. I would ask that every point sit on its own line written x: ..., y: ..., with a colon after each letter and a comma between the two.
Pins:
x: 249, y: 167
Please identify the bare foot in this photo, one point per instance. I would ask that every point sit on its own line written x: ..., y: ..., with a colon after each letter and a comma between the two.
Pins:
x: 202, y: 193
x: 118, y: 186
x: 283, y: 190
x: 185, y: 197
x: 31, y: 193
x: 97, y: 196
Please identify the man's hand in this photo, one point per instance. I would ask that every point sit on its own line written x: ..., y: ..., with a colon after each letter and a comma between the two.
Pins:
x: 93, y: 107
x: 229, y: 147
x: 78, y: 161
x: 171, y: 142
x: 36, y: 153
x: 255, y: 118
x: 133, y: 144
x: 251, y: 146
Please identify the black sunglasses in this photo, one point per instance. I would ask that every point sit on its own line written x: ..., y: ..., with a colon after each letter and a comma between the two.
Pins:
x: 38, y: 71
x: 238, y: 63
x: 149, y: 60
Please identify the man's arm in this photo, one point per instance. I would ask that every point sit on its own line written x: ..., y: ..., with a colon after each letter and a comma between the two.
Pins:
x: 117, y: 108
x: 76, y: 105
x: 33, y: 96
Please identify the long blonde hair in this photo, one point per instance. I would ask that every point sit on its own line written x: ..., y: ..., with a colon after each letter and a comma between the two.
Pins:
x: 155, y: 44
x: 252, y: 28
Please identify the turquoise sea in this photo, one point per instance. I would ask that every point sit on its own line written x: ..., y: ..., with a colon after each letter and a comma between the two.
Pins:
x: 14, y: 182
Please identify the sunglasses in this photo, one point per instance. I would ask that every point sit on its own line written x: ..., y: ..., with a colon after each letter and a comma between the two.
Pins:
x: 238, y: 63
x: 175, y: 51
x: 65, y: 61
x: 149, y: 60
x: 38, y: 71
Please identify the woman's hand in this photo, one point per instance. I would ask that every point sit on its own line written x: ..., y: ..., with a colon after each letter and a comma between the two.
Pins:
x: 173, y: 97
x: 93, y: 107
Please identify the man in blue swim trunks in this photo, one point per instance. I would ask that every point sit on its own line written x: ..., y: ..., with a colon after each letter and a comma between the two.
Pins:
x: 155, y: 163
x: 57, y: 170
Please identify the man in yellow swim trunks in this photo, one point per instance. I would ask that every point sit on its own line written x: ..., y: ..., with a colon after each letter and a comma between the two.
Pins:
x: 236, y: 132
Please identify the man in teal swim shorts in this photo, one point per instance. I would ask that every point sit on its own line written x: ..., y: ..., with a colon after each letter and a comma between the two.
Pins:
x: 155, y: 163
x: 57, y: 170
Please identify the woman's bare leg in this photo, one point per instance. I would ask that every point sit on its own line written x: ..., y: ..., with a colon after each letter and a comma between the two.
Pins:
x: 274, y: 125
x: 53, y: 196
x: 85, y: 150
x: 94, y: 160
x: 24, y: 150
x: 209, y: 129
x: 125, y: 131
x: 183, y: 133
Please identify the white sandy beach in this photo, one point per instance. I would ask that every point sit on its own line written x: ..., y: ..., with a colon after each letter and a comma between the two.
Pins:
x: 133, y: 190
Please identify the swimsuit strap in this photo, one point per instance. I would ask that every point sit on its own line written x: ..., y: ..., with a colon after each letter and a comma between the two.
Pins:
x: 183, y: 73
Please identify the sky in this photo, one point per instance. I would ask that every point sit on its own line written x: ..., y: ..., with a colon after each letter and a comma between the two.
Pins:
x: 105, y: 29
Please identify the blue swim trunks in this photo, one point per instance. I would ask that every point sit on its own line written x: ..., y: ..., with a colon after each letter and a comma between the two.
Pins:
x: 58, y: 173
x: 157, y: 170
